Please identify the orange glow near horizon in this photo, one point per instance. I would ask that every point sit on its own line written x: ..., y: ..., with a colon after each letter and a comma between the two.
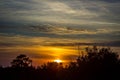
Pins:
x: 43, y: 54
x: 56, y: 51
x: 58, y: 61
x: 52, y: 54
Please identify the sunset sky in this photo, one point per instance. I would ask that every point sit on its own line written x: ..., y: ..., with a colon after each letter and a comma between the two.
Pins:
x: 46, y: 30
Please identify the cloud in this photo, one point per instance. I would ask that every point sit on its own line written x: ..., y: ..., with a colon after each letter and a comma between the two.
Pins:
x: 110, y: 43
x: 61, y: 11
x: 19, y: 41
x: 82, y: 20
x: 60, y: 7
x: 60, y: 30
x: 77, y: 33
x: 47, y: 33
x: 27, y: 41
x: 111, y: 1
x: 56, y: 29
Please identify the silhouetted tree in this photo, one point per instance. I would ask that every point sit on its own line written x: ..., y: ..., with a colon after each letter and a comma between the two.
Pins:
x: 99, y: 62
x: 99, y: 55
x: 21, y: 61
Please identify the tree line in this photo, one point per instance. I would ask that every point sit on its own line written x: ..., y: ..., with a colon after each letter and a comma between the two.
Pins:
x: 96, y: 64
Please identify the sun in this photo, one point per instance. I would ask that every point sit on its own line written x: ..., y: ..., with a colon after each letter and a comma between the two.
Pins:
x: 58, y: 61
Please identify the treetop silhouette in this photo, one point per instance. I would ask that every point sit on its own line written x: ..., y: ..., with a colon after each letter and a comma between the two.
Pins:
x: 21, y: 61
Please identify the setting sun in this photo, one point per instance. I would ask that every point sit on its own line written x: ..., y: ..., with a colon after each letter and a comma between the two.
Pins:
x: 58, y: 60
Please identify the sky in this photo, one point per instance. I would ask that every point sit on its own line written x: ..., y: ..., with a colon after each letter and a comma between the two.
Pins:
x: 49, y: 29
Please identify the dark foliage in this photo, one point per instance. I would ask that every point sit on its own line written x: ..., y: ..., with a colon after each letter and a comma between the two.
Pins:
x: 21, y: 61
x: 97, y: 64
